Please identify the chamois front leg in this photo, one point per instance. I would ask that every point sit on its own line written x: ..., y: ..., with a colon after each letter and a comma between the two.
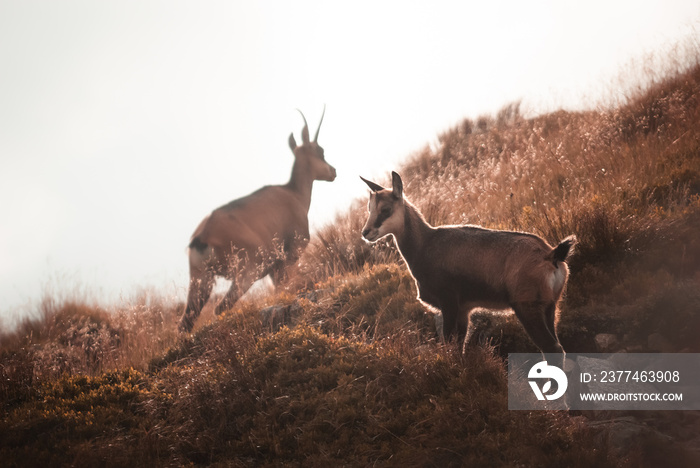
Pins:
x: 470, y: 327
x: 453, y: 321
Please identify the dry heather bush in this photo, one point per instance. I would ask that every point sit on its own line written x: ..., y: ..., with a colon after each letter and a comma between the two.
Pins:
x: 378, y: 303
x: 303, y: 395
x: 75, y: 336
x: 65, y: 421
x: 296, y: 396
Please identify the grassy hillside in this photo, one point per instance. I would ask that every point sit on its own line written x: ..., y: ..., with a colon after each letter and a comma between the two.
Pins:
x: 626, y: 181
x: 355, y: 376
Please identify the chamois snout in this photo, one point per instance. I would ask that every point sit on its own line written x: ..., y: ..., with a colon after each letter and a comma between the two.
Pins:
x: 374, y: 228
x: 332, y: 174
x: 366, y: 234
x: 385, y: 210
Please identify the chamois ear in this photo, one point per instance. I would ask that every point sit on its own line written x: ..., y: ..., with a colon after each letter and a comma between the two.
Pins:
x: 292, y: 142
x: 372, y: 186
x: 397, y: 185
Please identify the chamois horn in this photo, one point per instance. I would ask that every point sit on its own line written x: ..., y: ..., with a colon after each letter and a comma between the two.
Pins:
x: 319, y: 123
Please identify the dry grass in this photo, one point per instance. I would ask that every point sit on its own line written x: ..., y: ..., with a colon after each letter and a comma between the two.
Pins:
x: 74, y: 335
x: 358, y: 378
x: 235, y: 398
x: 624, y: 179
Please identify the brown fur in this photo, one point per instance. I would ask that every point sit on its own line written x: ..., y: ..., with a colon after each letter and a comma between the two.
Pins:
x: 459, y: 268
x: 260, y: 234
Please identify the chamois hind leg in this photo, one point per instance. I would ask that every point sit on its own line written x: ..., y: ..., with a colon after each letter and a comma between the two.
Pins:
x: 280, y: 269
x: 231, y: 297
x: 198, y: 295
x: 278, y: 272
x: 533, y: 317
x: 551, y: 319
x: 239, y: 286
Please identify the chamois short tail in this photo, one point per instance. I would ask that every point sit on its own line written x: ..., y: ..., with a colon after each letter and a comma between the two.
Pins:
x: 198, y: 245
x: 561, y: 252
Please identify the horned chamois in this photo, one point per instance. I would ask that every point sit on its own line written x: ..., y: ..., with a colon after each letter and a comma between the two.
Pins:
x: 459, y: 268
x: 256, y: 235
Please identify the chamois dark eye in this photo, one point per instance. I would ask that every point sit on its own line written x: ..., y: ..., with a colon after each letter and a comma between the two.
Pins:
x: 386, y: 210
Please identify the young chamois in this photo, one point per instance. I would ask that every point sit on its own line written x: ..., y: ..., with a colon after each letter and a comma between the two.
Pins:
x: 459, y: 268
x: 256, y: 235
